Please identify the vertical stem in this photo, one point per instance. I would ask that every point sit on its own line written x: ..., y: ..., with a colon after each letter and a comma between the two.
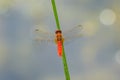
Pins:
x: 55, y: 14
x: 66, y: 71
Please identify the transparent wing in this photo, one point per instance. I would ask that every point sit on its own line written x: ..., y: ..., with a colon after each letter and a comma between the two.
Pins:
x: 43, y: 36
x: 70, y: 35
x: 73, y: 34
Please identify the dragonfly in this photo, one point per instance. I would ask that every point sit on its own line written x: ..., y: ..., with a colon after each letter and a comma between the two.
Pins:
x: 59, y: 37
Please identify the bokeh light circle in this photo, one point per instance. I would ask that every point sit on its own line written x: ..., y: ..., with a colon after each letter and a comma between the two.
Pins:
x: 107, y: 17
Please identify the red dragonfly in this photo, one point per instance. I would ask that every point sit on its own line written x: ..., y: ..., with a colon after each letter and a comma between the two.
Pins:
x: 59, y: 41
x: 59, y: 37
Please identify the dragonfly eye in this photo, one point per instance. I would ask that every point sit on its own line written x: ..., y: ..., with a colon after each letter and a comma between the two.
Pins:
x: 58, y: 31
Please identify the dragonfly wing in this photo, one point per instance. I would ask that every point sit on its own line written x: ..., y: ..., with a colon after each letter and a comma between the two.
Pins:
x: 73, y: 34
x: 44, y: 36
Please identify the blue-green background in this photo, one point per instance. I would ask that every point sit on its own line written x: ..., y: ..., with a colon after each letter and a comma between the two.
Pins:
x: 91, y: 57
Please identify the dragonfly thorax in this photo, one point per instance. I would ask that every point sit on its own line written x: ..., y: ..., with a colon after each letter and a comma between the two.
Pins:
x: 59, y: 37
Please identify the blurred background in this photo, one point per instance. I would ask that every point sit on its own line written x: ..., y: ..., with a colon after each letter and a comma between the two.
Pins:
x: 95, y: 56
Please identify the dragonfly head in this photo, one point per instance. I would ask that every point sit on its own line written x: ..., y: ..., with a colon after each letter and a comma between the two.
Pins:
x: 58, y: 31
x: 58, y: 34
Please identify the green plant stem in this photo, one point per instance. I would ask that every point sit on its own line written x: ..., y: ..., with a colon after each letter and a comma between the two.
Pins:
x: 66, y: 71
x: 55, y: 14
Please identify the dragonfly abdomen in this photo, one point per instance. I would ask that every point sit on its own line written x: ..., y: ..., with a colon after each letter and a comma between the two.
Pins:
x: 59, y: 46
